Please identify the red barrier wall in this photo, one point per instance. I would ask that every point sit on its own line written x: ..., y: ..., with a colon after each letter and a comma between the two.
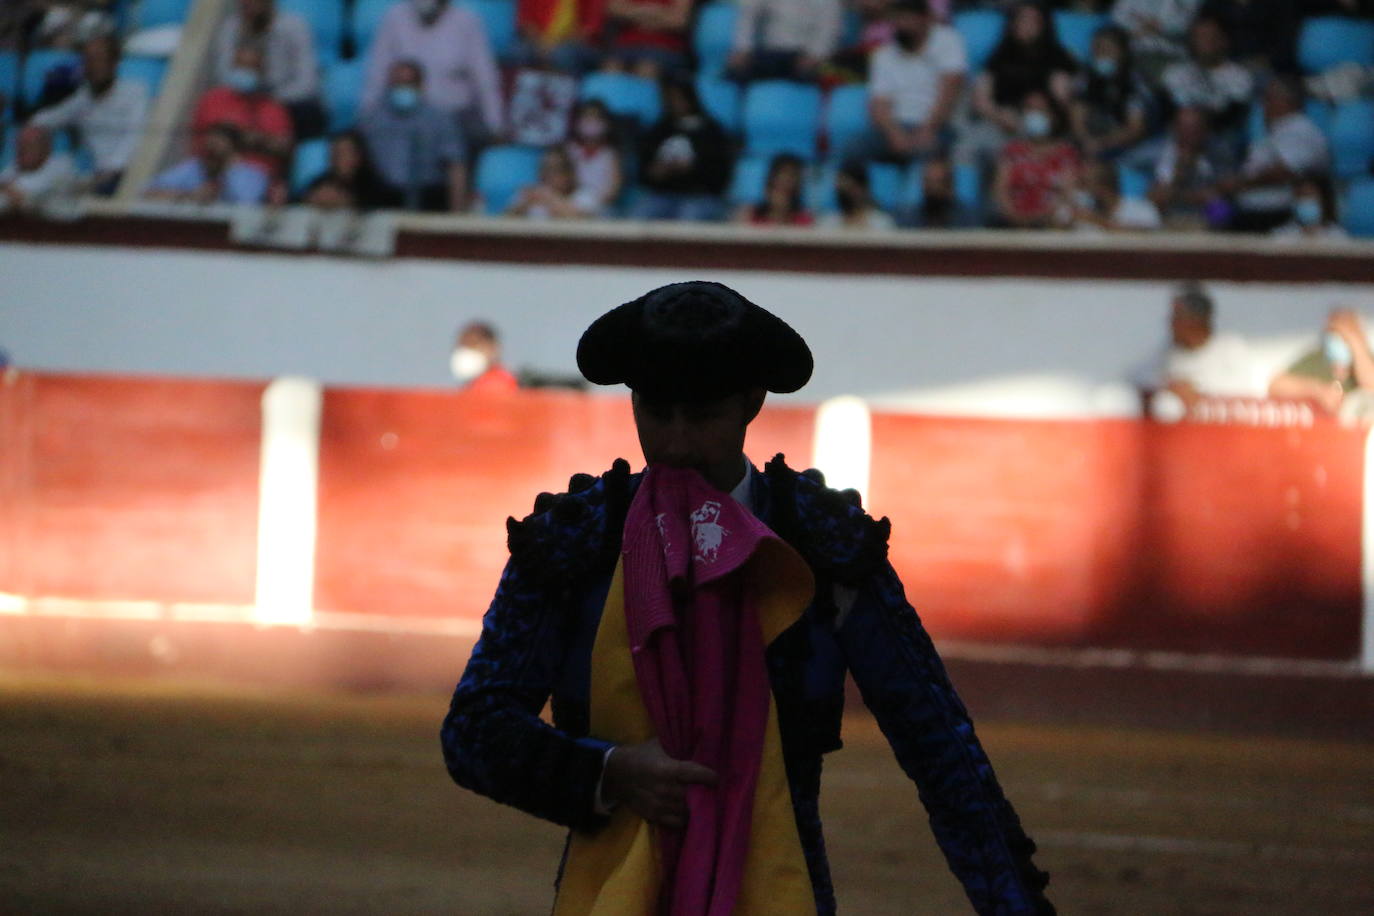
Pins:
x: 1195, y: 537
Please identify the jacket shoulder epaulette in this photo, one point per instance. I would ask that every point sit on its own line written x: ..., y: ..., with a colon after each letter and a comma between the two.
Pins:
x: 572, y: 535
x: 828, y: 527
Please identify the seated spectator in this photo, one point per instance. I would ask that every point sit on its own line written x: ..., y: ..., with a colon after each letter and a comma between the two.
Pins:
x: 37, y: 173
x: 1029, y: 58
x: 850, y: 64
x: 559, y: 34
x: 856, y: 207
x: 1262, y: 194
x: 1211, y: 81
x: 914, y: 83
x: 647, y: 37
x: 290, y: 67
x: 1036, y: 171
x: 940, y: 206
x: 784, y: 39
x: 595, y: 154
x: 1199, y: 362
x: 684, y: 160
x: 1158, y: 30
x: 264, y: 123
x: 109, y: 113
x: 782, y: 196
x: 1332, y: 374
x: 216, y: 174
x: 1097, y: 203
x: 1111, y: 103
x: 450, y: 43
x: 556, y: 194
x: 350, y: 182
x: 476, y: 361
x: 1314, y: 211
x: 1263, y: 33
x: 70, y: 25
x: 1189, y: 167
x: 416, y: 147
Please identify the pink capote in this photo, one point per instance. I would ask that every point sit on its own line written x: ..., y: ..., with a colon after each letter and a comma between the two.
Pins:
x: 698, y: 656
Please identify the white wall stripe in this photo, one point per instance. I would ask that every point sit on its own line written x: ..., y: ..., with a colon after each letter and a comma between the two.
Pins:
x: 288, y: 483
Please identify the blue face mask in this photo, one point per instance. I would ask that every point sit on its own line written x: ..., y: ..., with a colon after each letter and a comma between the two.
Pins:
x: 1105, y: 67
x: 1337, y: 351
x: 1036, y: 124
x: 1308, y: 211
x: 242, y: 79
x: 404, y: 98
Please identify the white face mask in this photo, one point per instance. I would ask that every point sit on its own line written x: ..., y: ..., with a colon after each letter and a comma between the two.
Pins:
x: 466, y: 363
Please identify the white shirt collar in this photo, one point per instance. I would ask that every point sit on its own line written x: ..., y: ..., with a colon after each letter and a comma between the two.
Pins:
x: 741, y: 492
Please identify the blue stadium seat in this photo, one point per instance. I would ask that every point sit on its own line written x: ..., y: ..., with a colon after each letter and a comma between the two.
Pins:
x: 746, y: 185
x: 1133, y: 182
x: 846, y: 117
x: 311, y: 159
x: 1326, y: 41
x: 502, y: 171
x: 326, y: 20
x: 146, y: 70
x: 782, y: 117
x: 9, y: 74
x: 1352, y: 138
x: 1358, y: 208
x: 820, y: 189
x: 36, y: 68
x: 713, y: 36
x: 1076, y: 31
x: 982, y: 29
x: 366, y: 20
x: 721, y: 100
x: 885, y: 184
x: 625, y: 95
x: 343, y: 93
x: 968, y: 186
x: 499, y: 18
x: 154, y: 13
x: 1316, y: 109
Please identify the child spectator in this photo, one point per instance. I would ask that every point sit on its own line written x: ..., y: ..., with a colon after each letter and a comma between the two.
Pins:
x: 37, y: 173
x: 782, y: 196
x: 264, y: 123
x: 1111, y: 103
x: 290, y: 66
x: 216, y: 174
x: 784, y: 39
x: 350, y: 181
x: 1097, y: 203
x: 416, y: 147
x: 556, y: 195
x: 1211, y: 81
x: 1037, y: 170
x: 595, y: 155
x: 1314, y: 211
x: 1188, y: 169
x: 685, y: 159
x: 856, y: 207
x: 109, y: 113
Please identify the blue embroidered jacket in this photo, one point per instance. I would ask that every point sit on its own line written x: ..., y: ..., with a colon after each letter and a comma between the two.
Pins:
x: 537, y: 640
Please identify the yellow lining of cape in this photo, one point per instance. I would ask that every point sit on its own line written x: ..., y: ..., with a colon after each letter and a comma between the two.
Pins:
x: 616, y: 871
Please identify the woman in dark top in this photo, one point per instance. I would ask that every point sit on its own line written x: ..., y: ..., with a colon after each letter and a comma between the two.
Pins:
x: 350, y: 181
x: 1028, y: 59
x: 685, y: 160
x: 1111, y: 104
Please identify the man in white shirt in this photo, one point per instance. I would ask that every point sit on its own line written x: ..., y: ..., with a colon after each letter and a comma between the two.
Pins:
x: 1199, y: 362
x: 914, y: 82
x: 784, y: 39
x: 1293, y: 146
x: 1210, y: 80
x: 291, y: 69
x: 108, y: 113
x: 36, y: 173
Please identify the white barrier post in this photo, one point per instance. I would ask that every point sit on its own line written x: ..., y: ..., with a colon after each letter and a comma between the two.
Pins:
x: 843, y: 447
x: 287, y: 496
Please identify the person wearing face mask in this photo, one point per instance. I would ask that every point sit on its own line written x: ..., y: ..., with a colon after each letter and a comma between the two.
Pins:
x: 1314, y: 211
x: 108, y: 113
x: 215, y: 175
x: 1338, y: 374
x: 450, y: 43
x: 684, y: 161
x: 594, y: 154
x: 1037, y: 170
x: 264, y: 123
x: 1111, y: 103
x: 1097, y: 204
x: 290, y: 69
x: 416, y: 148
x: 37, y: 173
x: 914, y: 83
x: 1028, y: 58
x: 476, y: 361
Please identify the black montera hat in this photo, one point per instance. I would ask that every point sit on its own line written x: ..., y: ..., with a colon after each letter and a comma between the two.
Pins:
x: 693, y: 341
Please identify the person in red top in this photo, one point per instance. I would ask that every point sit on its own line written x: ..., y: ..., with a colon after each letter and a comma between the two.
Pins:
x: 782, y: 196
x: 561, y: 34
x: 476, y: 361
x: 647, y: 37
x: 1038, y: 170
x: 264, y: 123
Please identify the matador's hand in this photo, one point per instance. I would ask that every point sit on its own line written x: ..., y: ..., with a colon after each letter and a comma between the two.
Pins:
x: 651, y: 783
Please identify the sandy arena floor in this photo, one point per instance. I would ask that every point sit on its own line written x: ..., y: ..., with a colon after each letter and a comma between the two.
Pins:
x: 144, y: 797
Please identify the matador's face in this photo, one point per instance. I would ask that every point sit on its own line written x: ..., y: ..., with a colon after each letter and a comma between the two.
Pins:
x: 707, y: 437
